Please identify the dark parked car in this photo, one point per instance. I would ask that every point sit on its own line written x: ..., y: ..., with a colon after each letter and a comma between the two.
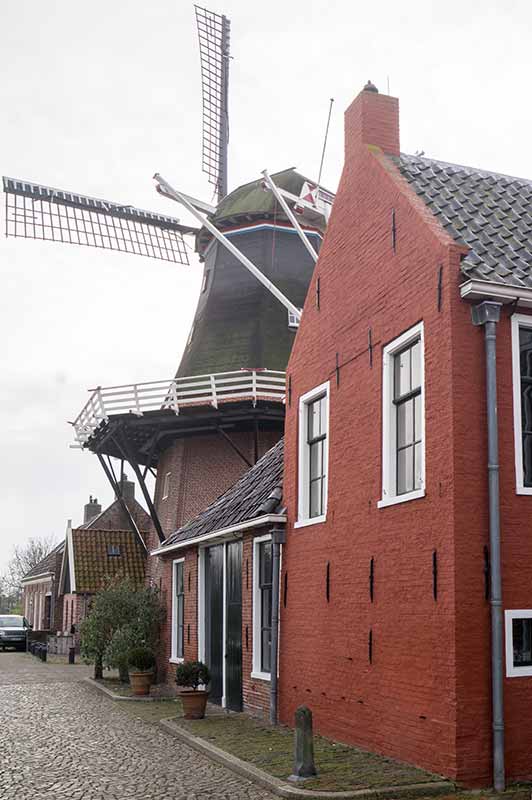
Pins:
x: 13, y: 631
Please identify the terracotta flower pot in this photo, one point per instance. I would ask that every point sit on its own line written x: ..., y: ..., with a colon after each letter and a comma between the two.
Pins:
x: 141, y: 682
x: 194, y: 702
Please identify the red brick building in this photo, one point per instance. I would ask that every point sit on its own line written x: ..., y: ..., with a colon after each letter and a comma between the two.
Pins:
x: 386, y: 629
x: 218, y: 575
x: 102, y: 548
x: 48, y: 599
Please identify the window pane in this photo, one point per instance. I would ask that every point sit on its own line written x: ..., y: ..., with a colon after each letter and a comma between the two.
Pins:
x: 527, y: 460
x: 402, y: 373
x: 522, y: 641
x: 266, y: 644
x: 316, y: 501
x: 405, y: 423
x: 266, y: 608
x: 525, y: 348
x: 314, y: 420
x: 323, y: 415
x: 416, y: 365
x: 405, y: 470
x: 265, y: 556
x: 316, y: 460
x: 179, y: 579
x: 418, y: 467
x: 418, y: 425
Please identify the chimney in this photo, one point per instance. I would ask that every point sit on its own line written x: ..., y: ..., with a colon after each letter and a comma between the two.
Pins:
x: 128, y: 489
x: 372, y: 119
x: 91, y: 510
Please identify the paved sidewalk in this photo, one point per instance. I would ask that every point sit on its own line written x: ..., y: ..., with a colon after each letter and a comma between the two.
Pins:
x: 62, y: 739
x: 22, y: 668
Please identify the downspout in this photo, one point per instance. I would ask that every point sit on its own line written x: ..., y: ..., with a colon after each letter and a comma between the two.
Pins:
x: 278, y: 538
x: 488, y: 314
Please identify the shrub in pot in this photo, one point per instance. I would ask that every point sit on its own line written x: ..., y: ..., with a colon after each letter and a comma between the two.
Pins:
x: 189, y: 676
x: 141, y: 664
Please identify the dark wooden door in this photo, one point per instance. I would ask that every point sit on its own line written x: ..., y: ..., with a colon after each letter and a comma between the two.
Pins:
x: 233, y: 622
x: 47, y: 612
x: 214, y: 566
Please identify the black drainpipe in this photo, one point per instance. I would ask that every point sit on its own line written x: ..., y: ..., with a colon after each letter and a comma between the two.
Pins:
x: 278, y: 538
x: 488, y: 314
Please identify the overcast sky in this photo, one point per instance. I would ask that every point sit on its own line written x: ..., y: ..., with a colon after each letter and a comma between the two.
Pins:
x: 98, y: 96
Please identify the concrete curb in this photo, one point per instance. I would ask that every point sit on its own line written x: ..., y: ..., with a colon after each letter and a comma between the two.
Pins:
x: 281, y: 789
x: 121, y: 697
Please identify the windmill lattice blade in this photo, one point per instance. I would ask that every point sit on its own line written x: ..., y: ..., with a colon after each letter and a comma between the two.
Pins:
x: 213, y: 34
x: 41, y: 212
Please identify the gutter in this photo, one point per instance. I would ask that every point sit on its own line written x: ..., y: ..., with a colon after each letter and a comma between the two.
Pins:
x: 221, y: 533
x: 278, y: 539
x: 499, y: 292
x: 487, y: 314
x: 37, y: 578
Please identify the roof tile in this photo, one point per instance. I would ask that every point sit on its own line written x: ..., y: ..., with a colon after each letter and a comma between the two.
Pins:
x: 488, y: 212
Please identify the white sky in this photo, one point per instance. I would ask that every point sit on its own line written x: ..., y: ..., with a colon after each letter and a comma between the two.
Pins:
x: 96, y: 97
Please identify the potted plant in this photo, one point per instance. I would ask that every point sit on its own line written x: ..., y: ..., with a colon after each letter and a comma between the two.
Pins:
x: 189, y: 675
x: 141, y: 663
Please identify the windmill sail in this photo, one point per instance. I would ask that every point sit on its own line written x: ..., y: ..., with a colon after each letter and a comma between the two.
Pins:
x: 40, y: 212
x: 213, y: 34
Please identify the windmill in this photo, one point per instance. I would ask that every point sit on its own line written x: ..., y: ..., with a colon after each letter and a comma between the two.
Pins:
x: 198, y: 431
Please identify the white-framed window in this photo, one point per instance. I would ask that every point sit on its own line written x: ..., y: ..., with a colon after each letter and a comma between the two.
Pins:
x: 518, y: 628
x: 313, y: 456
x: 403, y: 418
x: 262, y: 607
x: 178, y: 609
x: 293, y: 321
x: 522, y: 391
x: 166, y: 485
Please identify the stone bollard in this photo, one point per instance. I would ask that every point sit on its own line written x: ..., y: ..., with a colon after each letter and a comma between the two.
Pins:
x: 71, y: 655
x: 304, y: 766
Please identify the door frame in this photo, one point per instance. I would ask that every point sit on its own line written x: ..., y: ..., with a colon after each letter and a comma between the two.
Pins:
x: 202, y: 607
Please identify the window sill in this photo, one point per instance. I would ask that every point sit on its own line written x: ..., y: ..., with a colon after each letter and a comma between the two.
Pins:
x: 519, y: 672
x: 523, y: 490
x: 401, y: 498
x: 302, y: 523
x: 176, y: 660
x: 261, y: 676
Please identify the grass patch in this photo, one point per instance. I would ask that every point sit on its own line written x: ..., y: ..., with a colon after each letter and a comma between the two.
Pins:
x: 340, y: 767
x: 151, y: 713
x: 116, y: 686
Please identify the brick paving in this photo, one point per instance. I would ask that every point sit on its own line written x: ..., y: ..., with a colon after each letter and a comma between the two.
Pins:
x: 62, y: 739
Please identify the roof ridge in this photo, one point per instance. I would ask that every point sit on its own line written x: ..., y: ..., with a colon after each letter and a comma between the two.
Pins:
x: 477, y: 170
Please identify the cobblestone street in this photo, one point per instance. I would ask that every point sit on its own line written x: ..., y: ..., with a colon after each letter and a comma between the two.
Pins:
x: 62, y: 739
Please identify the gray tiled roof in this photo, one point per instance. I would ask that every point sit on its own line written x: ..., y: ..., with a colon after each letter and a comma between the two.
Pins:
x: 489, y: 213
x: 258, y: 492
x: 48, y: 563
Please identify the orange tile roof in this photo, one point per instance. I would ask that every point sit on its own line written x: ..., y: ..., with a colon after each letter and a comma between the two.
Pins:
x: 93, y: 565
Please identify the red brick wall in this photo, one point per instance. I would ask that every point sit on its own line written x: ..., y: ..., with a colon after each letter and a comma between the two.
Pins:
x: 114, y: 518
x: 202, y: 468
x: 471, y: 535
x: 405, y: 701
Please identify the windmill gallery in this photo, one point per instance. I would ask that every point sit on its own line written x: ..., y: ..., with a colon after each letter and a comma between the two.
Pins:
x: 311, y: 527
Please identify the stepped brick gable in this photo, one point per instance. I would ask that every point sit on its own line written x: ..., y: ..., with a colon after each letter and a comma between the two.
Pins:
x: 385, y: 628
